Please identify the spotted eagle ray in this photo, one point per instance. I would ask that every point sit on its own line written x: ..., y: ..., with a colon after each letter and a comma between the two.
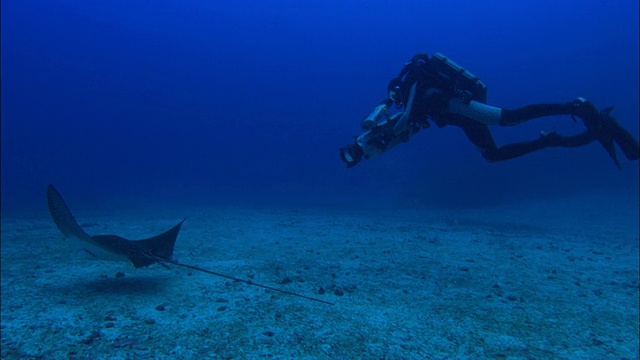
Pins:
x: 141, y: 253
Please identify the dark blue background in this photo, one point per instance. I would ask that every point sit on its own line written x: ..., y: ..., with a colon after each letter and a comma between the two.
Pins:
x: 131, y: 103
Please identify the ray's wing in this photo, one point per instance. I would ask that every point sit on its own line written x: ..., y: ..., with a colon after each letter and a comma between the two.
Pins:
x: 62, y: 217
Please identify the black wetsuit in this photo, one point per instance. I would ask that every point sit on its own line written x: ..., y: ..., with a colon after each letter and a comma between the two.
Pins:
x: 446, y: 98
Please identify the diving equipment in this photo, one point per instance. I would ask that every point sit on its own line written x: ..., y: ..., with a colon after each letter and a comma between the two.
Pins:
x: 401, y: 125
x: 372, y: 120
x: 351, y: 154
x: 452, y: 77
x: 607, y: 129
x: 439, y: 72
x: 386, y: 135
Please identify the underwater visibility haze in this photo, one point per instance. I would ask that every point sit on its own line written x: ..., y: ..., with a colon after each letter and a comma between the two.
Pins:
x: 247, y: 101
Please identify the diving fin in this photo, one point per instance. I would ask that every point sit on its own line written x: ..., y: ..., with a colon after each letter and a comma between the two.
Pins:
x: 627, y: 143
x: 608, y: 132
x: 610, y: 148
x: 607, y: 111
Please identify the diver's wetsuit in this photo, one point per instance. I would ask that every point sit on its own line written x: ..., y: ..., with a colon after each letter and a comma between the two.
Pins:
x: 438, y: 89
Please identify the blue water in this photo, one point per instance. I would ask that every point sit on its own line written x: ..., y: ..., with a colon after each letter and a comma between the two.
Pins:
x: 200, y: 102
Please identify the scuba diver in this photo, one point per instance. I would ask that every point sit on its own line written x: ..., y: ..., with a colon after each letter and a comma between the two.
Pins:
x: 437, y: 89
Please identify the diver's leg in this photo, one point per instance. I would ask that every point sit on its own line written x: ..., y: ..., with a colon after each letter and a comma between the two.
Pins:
x: 481, y: 137
x: 579, y: 107
x: 511, y: 151
x: 493, y: 115
x: 599, y: 122
x: 553, y: 139
x: 517, y: 116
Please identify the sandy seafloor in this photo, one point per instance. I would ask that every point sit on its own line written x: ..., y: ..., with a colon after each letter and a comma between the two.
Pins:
x: 545, y: 279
